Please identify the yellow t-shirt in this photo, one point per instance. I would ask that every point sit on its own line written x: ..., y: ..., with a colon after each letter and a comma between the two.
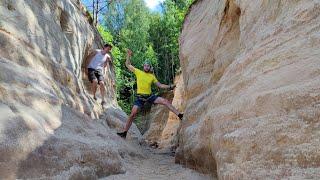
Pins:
x: 144, y: 81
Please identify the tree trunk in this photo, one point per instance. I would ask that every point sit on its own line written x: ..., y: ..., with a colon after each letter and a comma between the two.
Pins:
x: 93, y: 11
x: 96, y: 13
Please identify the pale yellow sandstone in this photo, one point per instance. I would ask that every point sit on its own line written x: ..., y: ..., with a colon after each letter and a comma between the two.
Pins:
x: 49, y: 123
x: 252, y: 85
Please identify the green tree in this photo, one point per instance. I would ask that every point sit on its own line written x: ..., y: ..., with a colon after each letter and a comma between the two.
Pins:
x: 164, y: 35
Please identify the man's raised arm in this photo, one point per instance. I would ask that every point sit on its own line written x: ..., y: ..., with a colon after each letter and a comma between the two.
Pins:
x: 128, y: 62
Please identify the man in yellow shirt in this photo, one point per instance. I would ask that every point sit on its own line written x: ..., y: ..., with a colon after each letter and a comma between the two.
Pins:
x: 144, y: 81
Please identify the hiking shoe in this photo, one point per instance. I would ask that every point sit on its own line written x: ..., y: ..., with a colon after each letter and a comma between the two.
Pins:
x: 103, y: 103
x: 123, y: 134
x: 180, y: 116
x: 95, y: 98
x: 154, y: 145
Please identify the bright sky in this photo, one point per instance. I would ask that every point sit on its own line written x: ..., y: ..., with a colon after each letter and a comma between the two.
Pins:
x: 152, y: 4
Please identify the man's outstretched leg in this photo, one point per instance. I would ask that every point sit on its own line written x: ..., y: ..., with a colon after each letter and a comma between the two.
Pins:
x: 165, y: 102
x: 94, y: 85
x: 133, y: 114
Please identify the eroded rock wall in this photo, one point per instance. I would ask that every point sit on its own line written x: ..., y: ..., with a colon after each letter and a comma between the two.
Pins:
x: 252, y: 85
x: 168, y: 138
x: 49, y: 126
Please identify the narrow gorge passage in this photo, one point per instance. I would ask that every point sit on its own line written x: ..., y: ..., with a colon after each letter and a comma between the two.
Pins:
x: 248, y: 84
x: 155, y: 164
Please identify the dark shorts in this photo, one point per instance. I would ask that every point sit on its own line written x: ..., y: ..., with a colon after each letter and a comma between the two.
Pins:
x: 142, y: 99
x: 95, y: 74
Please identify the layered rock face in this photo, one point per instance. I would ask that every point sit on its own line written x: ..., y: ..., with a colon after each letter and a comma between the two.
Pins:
x: 46, y: 114
x: 252, y: 85
x: 169, y: 137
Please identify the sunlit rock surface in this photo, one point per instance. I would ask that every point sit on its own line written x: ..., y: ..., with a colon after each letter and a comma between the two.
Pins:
x: 252, y: 87
x: 49, y: 123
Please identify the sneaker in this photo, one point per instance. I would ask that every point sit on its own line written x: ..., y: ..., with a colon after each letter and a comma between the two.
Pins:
x: 180, y: 116
x: 154, y: 145
x: 103, y: 103
x: 123, y: 134
x: 95, y: 98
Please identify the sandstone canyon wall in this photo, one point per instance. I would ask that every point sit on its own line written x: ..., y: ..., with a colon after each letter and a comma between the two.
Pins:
x: 252, y: 89
x: 49, y: 126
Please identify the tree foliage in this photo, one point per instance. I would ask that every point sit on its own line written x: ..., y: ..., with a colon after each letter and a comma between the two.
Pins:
x: 164, y: 36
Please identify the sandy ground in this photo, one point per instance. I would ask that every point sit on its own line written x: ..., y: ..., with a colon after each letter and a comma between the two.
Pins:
x: 155, y: 164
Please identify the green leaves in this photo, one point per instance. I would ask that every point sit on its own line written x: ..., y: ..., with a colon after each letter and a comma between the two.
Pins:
x: 106, y: 35
x: 164, y: 36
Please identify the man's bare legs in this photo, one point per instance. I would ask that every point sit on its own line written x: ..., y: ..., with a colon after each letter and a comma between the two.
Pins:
x: 135, y: 109
x: 102, y: 91
x: 94, y: 88
x: 134, y: 112
x: 166, y: 103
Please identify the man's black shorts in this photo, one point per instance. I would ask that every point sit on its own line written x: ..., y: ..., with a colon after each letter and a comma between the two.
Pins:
x: 95, y: 74
x: 142, y: 99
